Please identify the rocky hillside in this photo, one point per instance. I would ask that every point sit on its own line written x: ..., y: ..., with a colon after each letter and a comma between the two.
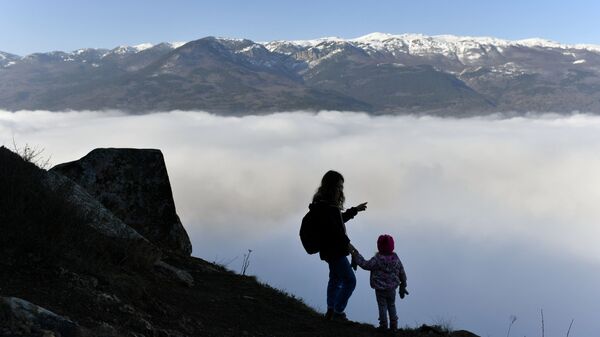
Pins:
x: 95, y: 248
x: 378, y: 73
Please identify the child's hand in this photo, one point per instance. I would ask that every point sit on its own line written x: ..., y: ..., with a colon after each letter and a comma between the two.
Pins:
x: 403, y: 292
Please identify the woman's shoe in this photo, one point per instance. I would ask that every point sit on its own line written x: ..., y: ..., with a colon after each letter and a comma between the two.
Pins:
x: 340, y: 317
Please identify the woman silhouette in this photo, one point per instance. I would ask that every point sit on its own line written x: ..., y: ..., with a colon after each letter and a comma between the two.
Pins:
x: 327, y: 204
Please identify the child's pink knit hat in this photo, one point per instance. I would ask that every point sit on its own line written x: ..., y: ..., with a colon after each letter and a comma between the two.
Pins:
x: 385, y: 244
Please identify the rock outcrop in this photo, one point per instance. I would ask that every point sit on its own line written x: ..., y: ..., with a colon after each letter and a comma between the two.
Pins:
x: 107, y: 228
x: 22, y: 318
x: 134, y: 185
x: 48, y: 214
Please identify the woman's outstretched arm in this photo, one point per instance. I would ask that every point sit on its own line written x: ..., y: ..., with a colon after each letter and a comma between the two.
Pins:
x: 352, y: 211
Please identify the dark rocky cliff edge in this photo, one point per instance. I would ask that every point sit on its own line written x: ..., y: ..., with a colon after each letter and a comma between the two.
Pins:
x: 95, y: 248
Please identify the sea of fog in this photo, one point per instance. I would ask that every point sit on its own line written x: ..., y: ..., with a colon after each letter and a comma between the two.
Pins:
x: 492, y: 217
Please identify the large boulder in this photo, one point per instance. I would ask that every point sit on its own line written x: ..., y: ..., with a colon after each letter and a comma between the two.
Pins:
x: 134, y: 185
x: 110, y: 234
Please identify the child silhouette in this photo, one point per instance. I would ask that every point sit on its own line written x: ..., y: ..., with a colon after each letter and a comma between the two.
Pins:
x: 387, y: 273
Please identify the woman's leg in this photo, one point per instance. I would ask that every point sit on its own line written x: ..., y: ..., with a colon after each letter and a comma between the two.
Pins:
x: 333, y: 286
x: 341, y: 284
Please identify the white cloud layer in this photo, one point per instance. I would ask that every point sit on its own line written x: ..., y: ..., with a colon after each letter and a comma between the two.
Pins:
x: 458, y: 194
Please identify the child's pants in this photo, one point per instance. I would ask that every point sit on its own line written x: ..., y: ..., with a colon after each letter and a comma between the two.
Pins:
x: 386, y: 301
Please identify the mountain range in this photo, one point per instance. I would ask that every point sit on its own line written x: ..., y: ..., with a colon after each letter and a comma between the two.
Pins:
x: 376, y: 73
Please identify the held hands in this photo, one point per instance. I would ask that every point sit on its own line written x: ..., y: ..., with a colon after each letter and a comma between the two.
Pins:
x: 353, y: 251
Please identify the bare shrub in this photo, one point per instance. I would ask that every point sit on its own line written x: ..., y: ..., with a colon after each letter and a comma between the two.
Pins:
x: 246, y: 262
x: 32, y: 154
x: 512, y: 319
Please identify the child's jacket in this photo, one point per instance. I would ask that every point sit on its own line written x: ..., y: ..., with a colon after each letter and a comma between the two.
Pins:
x: 387, y: 271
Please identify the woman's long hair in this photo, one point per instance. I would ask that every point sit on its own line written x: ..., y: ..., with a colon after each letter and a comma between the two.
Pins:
x: 330, y: 186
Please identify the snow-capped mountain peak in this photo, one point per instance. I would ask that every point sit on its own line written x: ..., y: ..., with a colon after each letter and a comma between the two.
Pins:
x: 313, y: 42
x: 176, y: 44
x: 381, y: 37
x: 7, y: 60
x: 420, y: 43
x: 543, y: 43
x: 142, y: 46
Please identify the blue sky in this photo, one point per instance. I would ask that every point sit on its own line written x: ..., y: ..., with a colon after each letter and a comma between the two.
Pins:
x: 36, y: 26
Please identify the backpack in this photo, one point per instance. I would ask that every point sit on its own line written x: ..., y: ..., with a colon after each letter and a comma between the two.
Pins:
x: 310, y: 233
